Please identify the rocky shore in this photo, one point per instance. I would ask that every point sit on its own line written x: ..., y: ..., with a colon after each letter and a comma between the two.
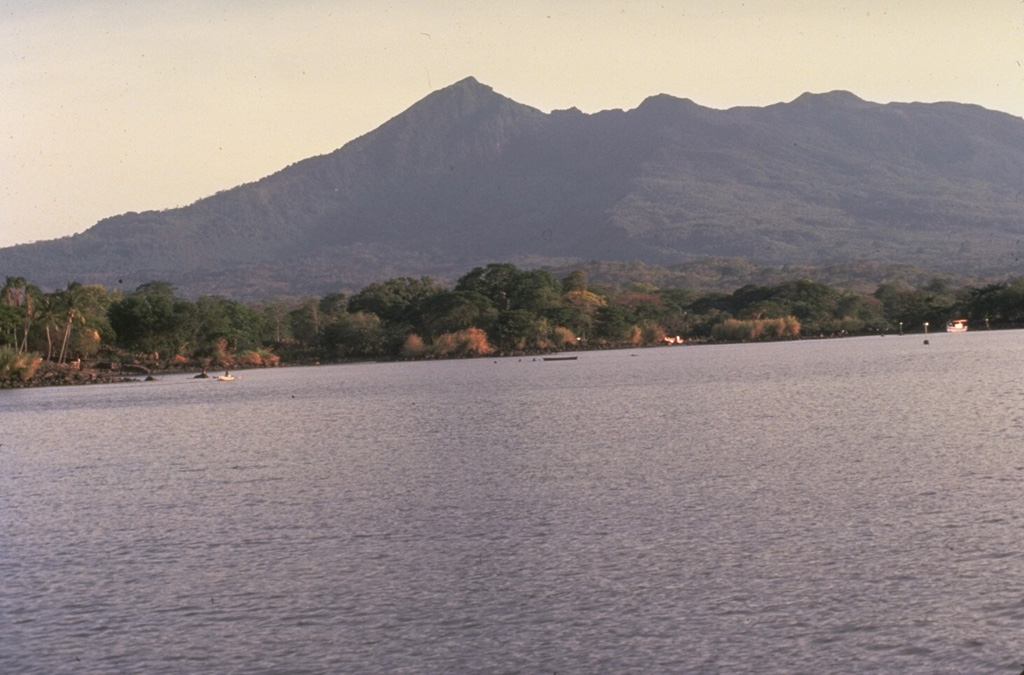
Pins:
x: 97, y: 372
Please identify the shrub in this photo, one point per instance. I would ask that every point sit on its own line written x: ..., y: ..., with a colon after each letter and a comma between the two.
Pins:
x: 468, y: 342
x: 413, y: 347
x: 850, y: 324
x: 652, y: 333
x: 18, y: 366
x: 563, y: 337
x: 219, y: 353
x: 756, y: 329
x: 256, y: 357
x: 248, y: 358
x: 87, y: 342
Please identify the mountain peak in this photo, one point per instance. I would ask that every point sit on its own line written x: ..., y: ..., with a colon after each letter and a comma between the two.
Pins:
x: 666, y: 107
x: 468, y: 176
x: 467, y: 87
x: 468, y: 96
x: 667, y: 101
x: 469, y: 82
x: 836, y: 97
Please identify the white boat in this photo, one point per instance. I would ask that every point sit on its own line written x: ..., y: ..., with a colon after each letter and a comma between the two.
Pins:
x: 957, y: 326
x: 226, y: 377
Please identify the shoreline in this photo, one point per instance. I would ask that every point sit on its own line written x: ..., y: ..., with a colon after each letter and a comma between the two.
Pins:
x: 104, y: 371
x: 107, y: 372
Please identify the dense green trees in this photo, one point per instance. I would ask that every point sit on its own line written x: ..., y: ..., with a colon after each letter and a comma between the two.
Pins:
x: 935, y: 304
x: 71, y: 320
x: 152, y: 320
x: 496, y: 308
x: 995, y: 304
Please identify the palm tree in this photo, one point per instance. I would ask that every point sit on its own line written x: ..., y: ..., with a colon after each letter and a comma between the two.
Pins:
x: 30, y: 314
x: 15, y: 293
x: 71, y: 298
x: 48, y: 311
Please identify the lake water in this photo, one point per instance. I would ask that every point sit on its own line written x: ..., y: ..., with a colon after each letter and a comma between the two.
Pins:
x: 829, y: 506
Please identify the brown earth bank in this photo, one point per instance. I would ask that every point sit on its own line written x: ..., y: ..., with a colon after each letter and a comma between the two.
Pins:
x: 50, y: 374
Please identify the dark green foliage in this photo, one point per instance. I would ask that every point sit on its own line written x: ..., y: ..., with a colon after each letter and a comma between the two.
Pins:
x: 497, y: 306
x: 820, y: 310
x: 153, y: 320
x: 396, y: 301
x: 915, y: 307
x: 452, y: 311
x: 510, y: 288
x: 999, y: 305
x: 333, y: 304
x: 517, y: 328
x: 613, y: 323
x: 306, y: 323
x: 11, y: 320
x: 574, y: 318
x: 239, y: 326
x: 575, y: 281
x: 358, y: 335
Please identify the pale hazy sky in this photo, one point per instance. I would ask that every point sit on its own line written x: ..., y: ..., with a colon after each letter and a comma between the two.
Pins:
x: 108, y: 106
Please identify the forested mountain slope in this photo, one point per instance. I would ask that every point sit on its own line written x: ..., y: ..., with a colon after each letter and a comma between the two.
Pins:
x: 467, y: 176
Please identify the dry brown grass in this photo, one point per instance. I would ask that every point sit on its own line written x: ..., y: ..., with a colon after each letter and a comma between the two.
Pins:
x: 468, y: 342
x: 18, y: 366
x: 414, y: 347
x: 248, y: 358
x: 563, y: 337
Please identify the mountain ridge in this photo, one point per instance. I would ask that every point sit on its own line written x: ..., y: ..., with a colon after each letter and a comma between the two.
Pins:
x: 467, y: 176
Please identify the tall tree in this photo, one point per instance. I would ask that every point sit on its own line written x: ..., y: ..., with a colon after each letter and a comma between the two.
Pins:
x: 452, y: 311
x: 16, y: 293
x: 48, y: 313
x: 152, y: 320
x: 71, y: 298
x: 396, y: 301
x: 510, y: 288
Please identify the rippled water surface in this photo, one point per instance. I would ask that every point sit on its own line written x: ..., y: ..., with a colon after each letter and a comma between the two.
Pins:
x: 805, y: 507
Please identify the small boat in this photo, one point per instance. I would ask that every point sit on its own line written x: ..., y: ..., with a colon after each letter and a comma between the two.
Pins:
x: 957, y: 326
x: 226, y: 377
x: 560, y: 358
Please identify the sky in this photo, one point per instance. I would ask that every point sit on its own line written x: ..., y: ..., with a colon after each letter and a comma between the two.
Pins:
x: 110, y: 106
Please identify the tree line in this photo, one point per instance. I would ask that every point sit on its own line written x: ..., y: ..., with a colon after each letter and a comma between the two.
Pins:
x: 498, y: 308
